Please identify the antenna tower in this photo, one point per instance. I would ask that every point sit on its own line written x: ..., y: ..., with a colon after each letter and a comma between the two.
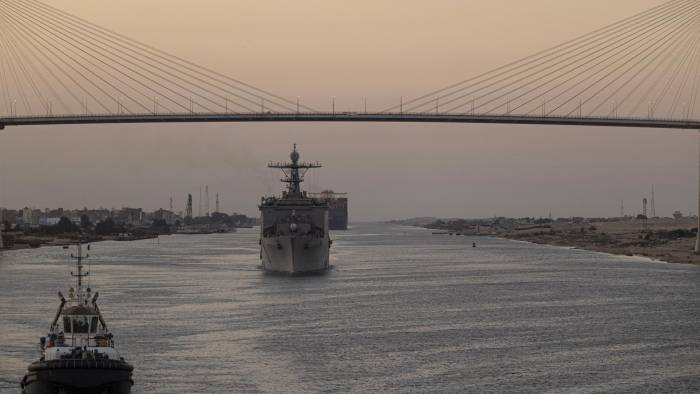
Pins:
x: 653, y: 205
x: 199, y: 206
x: 294, y: 173
x: 644, y: 212
x: 2, y: 224
x: 188, y: 209
x: 206, y: 199
x: 622, y: 208
x: 217, y: 202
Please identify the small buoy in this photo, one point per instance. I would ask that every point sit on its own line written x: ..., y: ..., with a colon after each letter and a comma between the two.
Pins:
x: 473, y: 244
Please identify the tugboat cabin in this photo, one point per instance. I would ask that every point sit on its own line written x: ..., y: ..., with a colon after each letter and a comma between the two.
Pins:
x: 79, y: 324
x: 79, y: 328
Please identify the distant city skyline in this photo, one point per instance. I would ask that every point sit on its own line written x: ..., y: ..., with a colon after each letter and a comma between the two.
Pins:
x: 378, y: 50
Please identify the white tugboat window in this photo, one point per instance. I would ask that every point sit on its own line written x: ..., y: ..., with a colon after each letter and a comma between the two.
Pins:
x: 66, y: 325
x: 93, y: 325
x: 80, y: 324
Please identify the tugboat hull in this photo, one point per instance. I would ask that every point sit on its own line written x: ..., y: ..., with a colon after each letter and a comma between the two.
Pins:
x: 78, y: 377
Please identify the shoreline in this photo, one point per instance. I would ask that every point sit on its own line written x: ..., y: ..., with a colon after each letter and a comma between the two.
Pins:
x: 607, y: 251
x: 38, y: 242
x: 659, y: 239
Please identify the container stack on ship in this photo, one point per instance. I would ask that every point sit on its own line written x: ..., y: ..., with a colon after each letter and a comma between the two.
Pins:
x: 337, y: 208
x: 294, y: 227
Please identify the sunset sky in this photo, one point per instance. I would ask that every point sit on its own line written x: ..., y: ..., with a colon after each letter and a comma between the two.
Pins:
x: 378, y: 50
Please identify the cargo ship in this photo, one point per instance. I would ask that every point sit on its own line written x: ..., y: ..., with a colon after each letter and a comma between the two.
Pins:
x: 78, y: 354
x: 294, y: 227
x: 337, y: 208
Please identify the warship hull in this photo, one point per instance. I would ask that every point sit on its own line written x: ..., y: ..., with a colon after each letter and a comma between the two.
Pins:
x: 293, y: 255
x: 78, y: 377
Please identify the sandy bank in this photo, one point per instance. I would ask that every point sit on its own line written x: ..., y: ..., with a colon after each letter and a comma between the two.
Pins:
x: 667, y: 240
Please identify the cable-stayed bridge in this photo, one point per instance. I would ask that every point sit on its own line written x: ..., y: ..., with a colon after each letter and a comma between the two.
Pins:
x: 348, y: 117
x: 642, y: 71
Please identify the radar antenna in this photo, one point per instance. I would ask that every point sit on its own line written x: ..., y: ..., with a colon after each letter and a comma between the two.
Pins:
x: 294, y: 173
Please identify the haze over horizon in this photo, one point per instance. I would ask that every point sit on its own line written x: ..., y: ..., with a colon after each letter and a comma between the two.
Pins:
x: 381, y: 51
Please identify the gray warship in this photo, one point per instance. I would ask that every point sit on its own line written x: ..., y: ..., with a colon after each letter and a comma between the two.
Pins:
x: 294, y: 227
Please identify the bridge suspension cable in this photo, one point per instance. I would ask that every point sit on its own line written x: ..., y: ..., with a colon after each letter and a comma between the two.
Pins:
x: 50, y: 56
x: 611, y: 71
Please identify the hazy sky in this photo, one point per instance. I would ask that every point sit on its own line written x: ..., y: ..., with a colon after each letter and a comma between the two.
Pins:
x: 350, y: 50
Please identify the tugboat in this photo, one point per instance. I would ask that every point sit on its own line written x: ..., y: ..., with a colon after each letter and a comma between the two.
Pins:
x: 294, y: 227
x: 78, y: 355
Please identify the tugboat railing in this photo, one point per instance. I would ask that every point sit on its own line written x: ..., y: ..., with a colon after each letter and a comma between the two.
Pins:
x: 99, y: 340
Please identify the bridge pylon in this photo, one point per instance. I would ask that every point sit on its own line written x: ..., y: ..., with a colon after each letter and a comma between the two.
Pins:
x: 697, y: 236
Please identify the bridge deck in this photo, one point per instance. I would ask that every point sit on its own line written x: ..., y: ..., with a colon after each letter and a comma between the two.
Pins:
x: 347, y: 117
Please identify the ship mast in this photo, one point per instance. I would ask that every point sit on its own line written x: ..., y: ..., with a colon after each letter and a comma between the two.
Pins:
x: 294, y: 173
x: 79, y: 264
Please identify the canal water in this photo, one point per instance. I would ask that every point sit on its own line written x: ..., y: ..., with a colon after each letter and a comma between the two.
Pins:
x: 402, y: 310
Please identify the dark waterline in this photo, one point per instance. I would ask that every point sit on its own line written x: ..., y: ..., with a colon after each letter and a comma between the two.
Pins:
x: 402, y: 310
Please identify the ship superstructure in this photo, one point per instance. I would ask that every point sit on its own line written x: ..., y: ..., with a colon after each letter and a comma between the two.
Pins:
x: 78, y: 354
x: 294, y: 227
